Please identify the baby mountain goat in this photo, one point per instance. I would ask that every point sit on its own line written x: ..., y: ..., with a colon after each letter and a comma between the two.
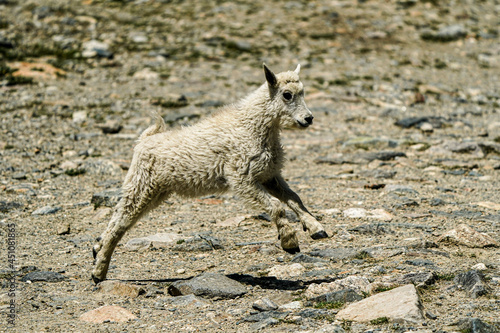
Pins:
x: 236, y: 149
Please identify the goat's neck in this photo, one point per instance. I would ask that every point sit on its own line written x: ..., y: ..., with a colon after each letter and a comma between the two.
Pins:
x: 262, y: 119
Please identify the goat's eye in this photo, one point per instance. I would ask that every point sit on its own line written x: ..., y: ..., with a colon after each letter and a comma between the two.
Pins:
x: 287, y: 95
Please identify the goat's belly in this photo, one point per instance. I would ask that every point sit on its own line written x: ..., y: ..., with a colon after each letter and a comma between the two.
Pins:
x: 200, y: 186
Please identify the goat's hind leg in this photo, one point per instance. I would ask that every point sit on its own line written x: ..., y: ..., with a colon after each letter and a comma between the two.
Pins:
x: 106, y: 244
x: 280, y: 189
x: 129, y: 210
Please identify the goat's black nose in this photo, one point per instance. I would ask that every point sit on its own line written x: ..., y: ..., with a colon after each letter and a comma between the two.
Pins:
x: 309, y: 119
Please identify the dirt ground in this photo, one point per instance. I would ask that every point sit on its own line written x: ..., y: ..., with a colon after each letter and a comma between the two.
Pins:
x: 405, y: 146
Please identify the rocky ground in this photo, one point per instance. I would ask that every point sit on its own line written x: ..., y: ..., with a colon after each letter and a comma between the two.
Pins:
x: 401, y: 166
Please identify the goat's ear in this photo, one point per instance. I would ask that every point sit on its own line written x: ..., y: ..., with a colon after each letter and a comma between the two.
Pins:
x: 297, y: 70
x: 270, y: 77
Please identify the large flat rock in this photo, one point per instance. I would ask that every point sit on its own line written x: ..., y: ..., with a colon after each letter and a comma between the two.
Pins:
x: 400, y: 305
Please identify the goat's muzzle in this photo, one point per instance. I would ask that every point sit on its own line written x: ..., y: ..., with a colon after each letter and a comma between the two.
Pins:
x: 306, y: 122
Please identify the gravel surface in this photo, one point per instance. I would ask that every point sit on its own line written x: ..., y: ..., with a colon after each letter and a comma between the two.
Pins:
x: 402, y: 165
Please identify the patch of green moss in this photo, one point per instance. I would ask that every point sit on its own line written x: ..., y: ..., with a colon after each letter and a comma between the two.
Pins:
x: 381, y: 289
x: 329, y: 305
x: 445, y: 276
x: 379, y: 321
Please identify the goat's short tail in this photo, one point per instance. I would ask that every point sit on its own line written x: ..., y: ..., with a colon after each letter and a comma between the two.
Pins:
x: 158, y: 127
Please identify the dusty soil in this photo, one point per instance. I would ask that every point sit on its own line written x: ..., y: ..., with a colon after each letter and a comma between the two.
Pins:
x: 70, y: 115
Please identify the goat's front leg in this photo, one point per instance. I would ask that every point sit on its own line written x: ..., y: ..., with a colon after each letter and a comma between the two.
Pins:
x: 278, y: 187
x: 255, y: 194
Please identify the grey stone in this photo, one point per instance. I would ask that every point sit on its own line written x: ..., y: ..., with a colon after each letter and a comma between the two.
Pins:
x: 200, y: 243
x: 473, y: 282
x: 304, y: 258
x: 370, y: 229
x: 400, y: 305
x: 7, y: 206
x: 382, y: 155
x: 265, y: 315
x: 19, y: 175
x: 400, y: 189
x: 419, y: 262
x: 43, y: 276
x: 445, y: 34
x: 47, y: 210
x: 436, y: 122
x: 335, y: 253
x: 263, y: 324
x: 476, y: 325
x: 107, y: 198
x: 419, y: 279
x: 264, y: 304
x: 210, y: 285
x: 449, y: 147
x: 315, y: 313
x: 341, y: 296
x: 138, y: 244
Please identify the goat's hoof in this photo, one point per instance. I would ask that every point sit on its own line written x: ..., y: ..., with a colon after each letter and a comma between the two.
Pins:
x: 96, y: 279
x: 319, y: 234
x: 293, y: 250
x: 94, y: 253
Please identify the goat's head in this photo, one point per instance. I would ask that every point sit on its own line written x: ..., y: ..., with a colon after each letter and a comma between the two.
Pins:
x: 287, y: 97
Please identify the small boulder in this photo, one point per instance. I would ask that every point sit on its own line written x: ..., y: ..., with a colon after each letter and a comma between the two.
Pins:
x: 120, y: 289
x: 476, y: 325
x: 47, y: 210
x: 210, y: 285
x: 264, y: 304
x: 473, y: 283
